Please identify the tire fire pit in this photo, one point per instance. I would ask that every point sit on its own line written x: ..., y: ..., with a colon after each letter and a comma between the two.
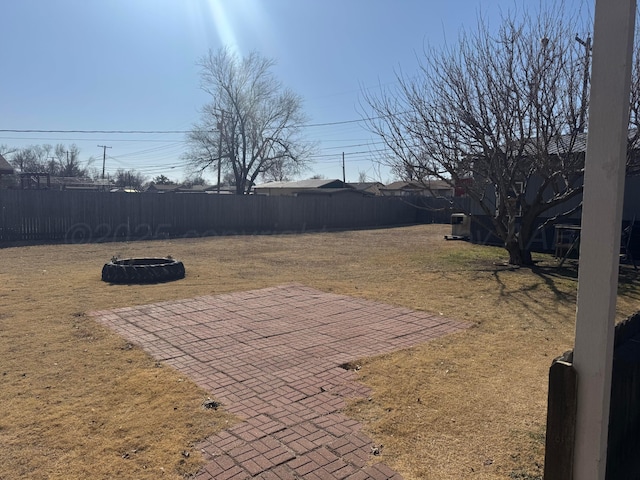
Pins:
x: 142, y: 270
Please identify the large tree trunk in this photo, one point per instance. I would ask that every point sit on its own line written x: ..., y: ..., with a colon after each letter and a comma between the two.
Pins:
x: 517, y: 255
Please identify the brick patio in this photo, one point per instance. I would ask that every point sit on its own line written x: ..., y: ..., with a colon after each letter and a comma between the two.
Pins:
x: 272, y: 357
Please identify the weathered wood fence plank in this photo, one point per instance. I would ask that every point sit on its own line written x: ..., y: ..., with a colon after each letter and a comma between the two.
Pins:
x: 73, y: 216
x: 623, y: 461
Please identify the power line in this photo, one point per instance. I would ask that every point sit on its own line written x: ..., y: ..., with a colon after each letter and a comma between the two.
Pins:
x: 106, y: 132
x: 59, y: 139
x: 163, y: 132
x: 171, y: 150
x: 324, y: 155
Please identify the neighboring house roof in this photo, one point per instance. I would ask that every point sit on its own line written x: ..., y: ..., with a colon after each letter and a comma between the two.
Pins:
x: 404, y: 186
x: 436, y: 187
x: 78, y: 183
x: 193, y: 189
x: 371, y: 187
x: 160, y: 188
x: 330, y: 192
x: 292, y: 188
x: 71, y: 181
x: 312, y: 183
x: 562, y: 144
x: 5, y: 167
x: 30, y: 180
x: 224, y: 189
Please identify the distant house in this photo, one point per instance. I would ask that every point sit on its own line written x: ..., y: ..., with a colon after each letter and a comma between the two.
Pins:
x: 161, y: 188
x: 5, y: 167
x: 572, y: 146
x: 429, y: 188
x: 223, y: 190
x: 333, y: 192
x: 78, y: 183
x: 211, y: 189
x: 302, y: 186
x: 46, y: 181
x: 193, y: 189
x: 201, y: 189
x: 368, y: 187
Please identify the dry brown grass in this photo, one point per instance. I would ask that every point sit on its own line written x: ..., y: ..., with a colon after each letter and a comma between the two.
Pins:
x: 79, y: 402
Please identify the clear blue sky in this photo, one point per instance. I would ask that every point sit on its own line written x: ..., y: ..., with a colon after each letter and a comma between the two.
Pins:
x: 131, y: 65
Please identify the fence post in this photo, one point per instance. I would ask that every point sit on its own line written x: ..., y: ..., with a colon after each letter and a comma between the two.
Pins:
x: 561, y: 420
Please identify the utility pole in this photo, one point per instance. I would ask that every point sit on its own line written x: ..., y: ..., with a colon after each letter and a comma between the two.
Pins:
x: 344, y: 177
x: 104, y: 157
x: 219, y: 158
x: 585, y: 79
x: 220, y: 127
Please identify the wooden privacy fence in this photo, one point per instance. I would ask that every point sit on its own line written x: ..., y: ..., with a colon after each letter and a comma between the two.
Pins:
x: 79, y: 217
x: 623, y: 442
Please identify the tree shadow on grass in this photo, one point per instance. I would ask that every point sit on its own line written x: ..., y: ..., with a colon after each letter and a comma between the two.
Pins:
x: 551, y: 275
x: 555, y: 278
x: 628, y: 278
x: 628, y: 281
x: 539, y: 293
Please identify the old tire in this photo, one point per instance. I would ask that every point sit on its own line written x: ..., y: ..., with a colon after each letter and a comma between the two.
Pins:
x: 142, y: 270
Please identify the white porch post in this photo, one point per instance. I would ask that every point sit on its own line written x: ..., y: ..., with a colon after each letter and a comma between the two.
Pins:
x: 601, y: 229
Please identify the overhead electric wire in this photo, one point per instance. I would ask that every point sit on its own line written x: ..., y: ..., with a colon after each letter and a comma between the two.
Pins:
x: 161, y: 132
x: 58, y: 139
x: 151, y: 161
x: 151, y: 150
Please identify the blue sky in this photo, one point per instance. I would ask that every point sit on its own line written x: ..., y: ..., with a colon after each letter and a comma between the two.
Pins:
x: 131, y: 65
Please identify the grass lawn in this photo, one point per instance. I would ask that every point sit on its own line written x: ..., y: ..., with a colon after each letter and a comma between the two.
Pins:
x: 79, y: 402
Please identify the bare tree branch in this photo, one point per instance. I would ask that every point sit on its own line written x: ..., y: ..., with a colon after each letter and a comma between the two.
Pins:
x: 497, y: 115
x: 252, y: 125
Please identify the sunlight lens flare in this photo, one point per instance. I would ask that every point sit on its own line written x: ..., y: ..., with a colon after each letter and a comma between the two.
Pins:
x: 222, y: 24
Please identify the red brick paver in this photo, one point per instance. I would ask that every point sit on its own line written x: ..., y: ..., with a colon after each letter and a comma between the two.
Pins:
x: 272, y: 357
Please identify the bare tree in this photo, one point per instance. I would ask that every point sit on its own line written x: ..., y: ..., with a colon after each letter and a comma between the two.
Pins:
x: 280, y: 170
x: 229, y: 180
x: 162, y: 180
x: 633, y: 146
x: 252, y: 125
x: 60, y: 161
x: 129, y: 179
x: 498, y: 115
x: 193, y: 181
x: 34, y: 158
x: 68, y: 161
